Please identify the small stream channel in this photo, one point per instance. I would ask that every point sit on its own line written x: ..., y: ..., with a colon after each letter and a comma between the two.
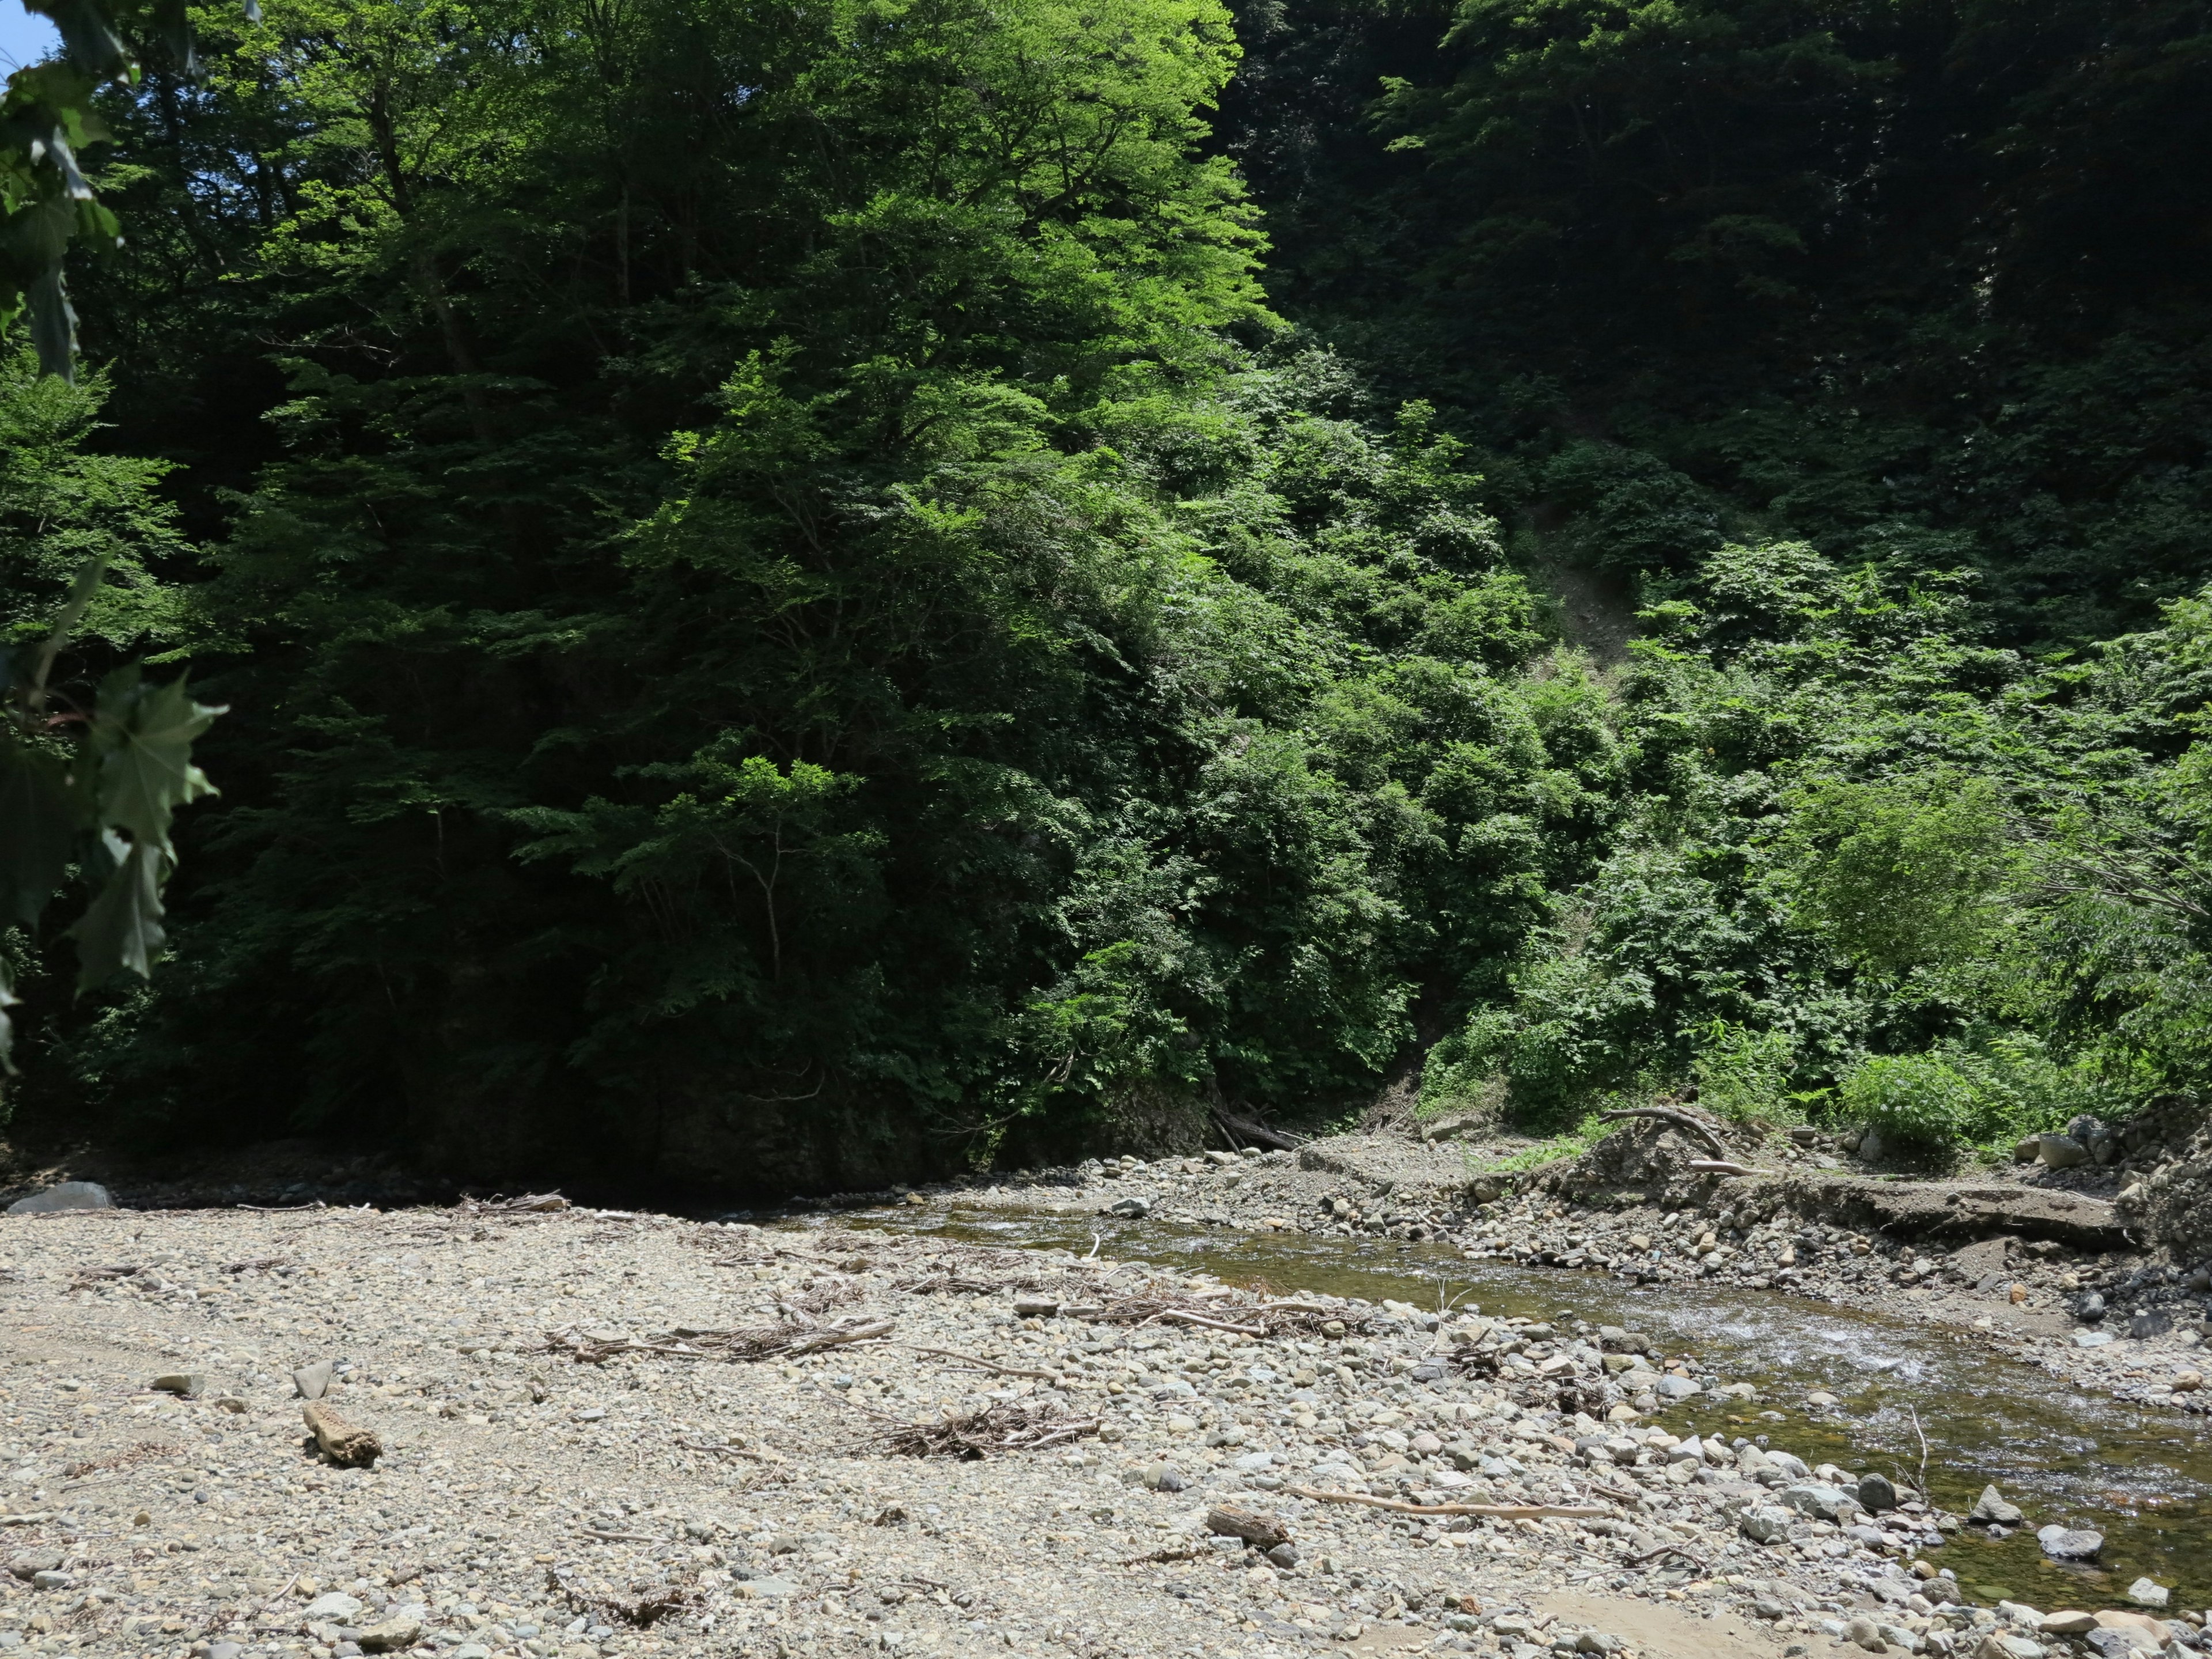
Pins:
x: 2143, y: 1478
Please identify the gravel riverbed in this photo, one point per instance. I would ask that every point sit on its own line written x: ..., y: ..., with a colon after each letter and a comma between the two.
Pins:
x: 2022, y: 1295
x: 606, y: 1433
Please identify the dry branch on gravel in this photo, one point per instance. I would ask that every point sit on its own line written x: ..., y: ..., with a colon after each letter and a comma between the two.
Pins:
x: 1261, y: 1530
x: 1259, y: 1319
x: 341, y: 1442
x: 646, y: 1605
x: 1003, y: 1426
x: 522, y: 1203
x: 1495, y: 1511
x: 782, y: 1339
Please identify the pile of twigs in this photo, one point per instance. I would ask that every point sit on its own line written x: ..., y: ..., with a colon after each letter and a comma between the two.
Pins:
x: 1002, y: 1426
x: 1259, y: 1319
x: 646, y: 1605
x: 520, y: 1204
x: 781, y: 1339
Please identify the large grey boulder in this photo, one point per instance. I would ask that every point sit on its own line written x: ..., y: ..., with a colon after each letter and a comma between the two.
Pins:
x: 2070, y: 1543
x: 69, y: 1195
x: 2060, y: 1151
x: 1993, y: 1507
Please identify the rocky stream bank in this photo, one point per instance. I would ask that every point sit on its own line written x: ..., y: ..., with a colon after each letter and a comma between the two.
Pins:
x: 590, y: 1434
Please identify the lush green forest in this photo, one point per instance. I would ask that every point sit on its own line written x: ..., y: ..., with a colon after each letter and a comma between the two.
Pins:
x: 816, y: 593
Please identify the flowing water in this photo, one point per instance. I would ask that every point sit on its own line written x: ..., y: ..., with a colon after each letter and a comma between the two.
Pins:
x: 2141, y: 1478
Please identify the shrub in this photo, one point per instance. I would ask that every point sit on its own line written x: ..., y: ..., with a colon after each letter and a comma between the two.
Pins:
x: 1914, y: 1100
x: 1742, y: 1074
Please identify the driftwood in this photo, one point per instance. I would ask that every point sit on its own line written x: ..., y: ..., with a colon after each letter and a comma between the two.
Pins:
x: 1008, y: 1426
x: 984, y: 1364
x: 1239, y: 1129
x: 785, y: 1338
x: 521, y: 1204
x: 1691, y: 1556
x: 1255, y: 1527
x: 1186, y: 1553
x: 1265, y: 1319
x: 1682, y: 1121
x: 646, y: 1606
x: 339, y: 1440
x: 1182, y: 1317
x: 1495, y: 1511
x: 1724, y: 1166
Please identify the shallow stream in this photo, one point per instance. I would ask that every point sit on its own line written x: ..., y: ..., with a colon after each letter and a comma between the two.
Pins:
x: 2141, y: 1478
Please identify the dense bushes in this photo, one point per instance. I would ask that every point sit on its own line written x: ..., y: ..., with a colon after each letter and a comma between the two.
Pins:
x: 795, y: 612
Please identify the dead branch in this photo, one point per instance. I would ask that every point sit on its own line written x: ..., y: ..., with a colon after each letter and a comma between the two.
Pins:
x: 1682, y: 1121
x: 339, y: 1440
x: 1002, y: 1426
x: 1182, y: 1317
x: 1691, y: 1556
x: 785, y: 1338
x: 1266, y: 1319
x: 655, y: 1604
x: 723, y: 1449
x: 985, y: 1365
x: 1724, y: 1166
x: 521, y: 1204
x: 1239, y: 1129
x: 1255, y: 1527
x: 1495, y: 1511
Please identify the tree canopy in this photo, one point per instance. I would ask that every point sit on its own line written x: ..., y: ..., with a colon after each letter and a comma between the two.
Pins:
x: 812, y: 593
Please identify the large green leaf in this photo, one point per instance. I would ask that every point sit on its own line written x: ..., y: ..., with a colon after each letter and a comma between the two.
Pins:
x: 145, y: 739
x: 122, y: 927
x: 39, y: 817
x: 7, y: 1000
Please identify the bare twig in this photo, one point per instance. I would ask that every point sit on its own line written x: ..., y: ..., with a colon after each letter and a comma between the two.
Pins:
x: 1917, y: 1430
x: 656, y: 1603
x: 1017, y: 1426
x: 1182, y: 1317
x: 986, y: 1365
x: 1496, y: 1512
x: 1690, y: 1556
x: 783, y: 1340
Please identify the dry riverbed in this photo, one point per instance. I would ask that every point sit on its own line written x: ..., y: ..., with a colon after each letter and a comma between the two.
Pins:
x: 607, y: 1434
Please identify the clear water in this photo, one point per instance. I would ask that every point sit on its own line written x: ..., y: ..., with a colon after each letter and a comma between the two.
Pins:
x: 2142, y: 1477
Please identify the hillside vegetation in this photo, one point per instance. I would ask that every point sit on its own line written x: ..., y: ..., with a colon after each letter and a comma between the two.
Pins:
x: 809, y: 595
